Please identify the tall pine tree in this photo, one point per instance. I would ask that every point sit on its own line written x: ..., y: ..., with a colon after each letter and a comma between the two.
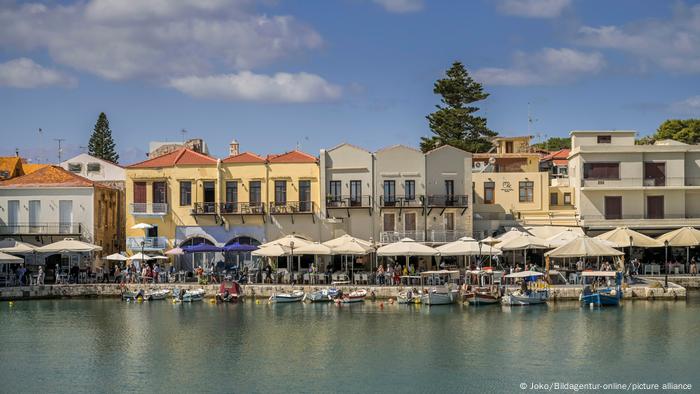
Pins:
x: 101, y: 143
x: 455, y: 123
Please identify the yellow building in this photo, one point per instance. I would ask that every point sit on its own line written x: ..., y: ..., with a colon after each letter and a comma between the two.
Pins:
x: 509, y: 154
x: 191, y: 198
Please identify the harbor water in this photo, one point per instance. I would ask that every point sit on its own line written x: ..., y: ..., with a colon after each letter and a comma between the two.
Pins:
x: 105, y: 345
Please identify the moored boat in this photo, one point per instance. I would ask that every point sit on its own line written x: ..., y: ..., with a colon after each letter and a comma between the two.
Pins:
x: 484, y: 287
x: 597, y: 289
x: 132, y: 295
x: 411, y: 296
x: 444, y: 290
x: 229, y: 291
x: 192, y: 295
x: 155, y: 295
x: 532, y: 291
x: 293, y: 296
x: 354, y: 296
x: 323, y: 295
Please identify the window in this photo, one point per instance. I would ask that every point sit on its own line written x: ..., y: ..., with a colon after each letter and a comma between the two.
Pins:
x: 604, y: 139
x: 489, y: 191
x: 654, y: 173
x: 473, y: 192
x: 553, y: 198
x: 410, y: 190
x: 613, y: 207
x: 655, y: 207
x: 254, y: 192
x: 160, y: 195
x: 389, y: 192
x: 75, y: 167
x: 232, y: 192
x: 449, y: 221
x: 509, y: 146
x: 185, y: 193
x: 389, y: 222
x: 305, y: 196
x: 280, y: 192
x: 409, y: 222
x: 527, y: 191
x: 334, y: 191
x: 449, y: 187
x: 94, y: 167
x: 209, y: 192
x: 567, y: 198
x: 13, y: 215
x: 601, y: 170
x: 34, y: 215
x: 356, y: 193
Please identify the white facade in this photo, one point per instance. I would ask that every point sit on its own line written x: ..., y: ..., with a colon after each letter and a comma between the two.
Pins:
x: 94, y: 169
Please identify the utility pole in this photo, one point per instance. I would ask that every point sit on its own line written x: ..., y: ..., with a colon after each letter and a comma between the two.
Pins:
x: 41, y: 144
x: 60, y: 149
x: 183, y: 132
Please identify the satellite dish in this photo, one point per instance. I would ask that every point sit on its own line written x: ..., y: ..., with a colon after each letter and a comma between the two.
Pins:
x: 492, y: 160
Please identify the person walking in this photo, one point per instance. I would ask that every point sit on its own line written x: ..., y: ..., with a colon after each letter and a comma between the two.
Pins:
x: 40, y: 276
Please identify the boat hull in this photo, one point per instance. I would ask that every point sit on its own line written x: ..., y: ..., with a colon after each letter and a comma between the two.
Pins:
x: 439, y: 298
x: 193, y: 296
x: 157, y: 295
x: 478, y: 298
x: 355, y: 296
x: 601, y: 298
x: 287, y: 297
x: 534, y: 298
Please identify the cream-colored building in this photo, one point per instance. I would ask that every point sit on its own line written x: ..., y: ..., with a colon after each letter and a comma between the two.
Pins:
x: 647, y: 187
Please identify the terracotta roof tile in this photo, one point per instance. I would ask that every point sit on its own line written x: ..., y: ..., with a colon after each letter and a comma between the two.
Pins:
x: 294, y: 156
x: 49, y: 176
x: 182, y: 156
x: 28, y: 168
x: 245, y: 157
x: 561, y: 154
x: 9, y: 165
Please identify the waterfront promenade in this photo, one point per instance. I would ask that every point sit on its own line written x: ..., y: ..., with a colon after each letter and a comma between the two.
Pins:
x: 652, y: 289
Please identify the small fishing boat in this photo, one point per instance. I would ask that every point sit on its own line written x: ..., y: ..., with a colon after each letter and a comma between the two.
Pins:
x: 323, y: 295
x: 132, y: 295
x: 192, y: 295
x: 444, y: 290
x: 354, y: 296
x: 155, y: 295
x: 599, y: 290
x: 409, y: 297
x: 484, y: 287
x: 532, y: 291
x: 229, y: 291
x: 294, y: 296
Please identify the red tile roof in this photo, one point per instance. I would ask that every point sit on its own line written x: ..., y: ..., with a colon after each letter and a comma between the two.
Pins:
x: 561, y: 154
x: 11, y: 165
x: 182, y: 156
x: 49, y: 176
x: 245, y: 157
x: 294, y: 156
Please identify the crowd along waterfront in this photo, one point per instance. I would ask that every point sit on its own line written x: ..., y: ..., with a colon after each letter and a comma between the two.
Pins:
x: 98, y: 344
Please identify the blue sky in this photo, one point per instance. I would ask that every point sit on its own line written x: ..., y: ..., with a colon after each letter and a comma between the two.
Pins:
x: 316, y: 73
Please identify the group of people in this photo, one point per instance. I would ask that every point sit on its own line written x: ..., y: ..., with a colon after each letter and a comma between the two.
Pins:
x: 132, y: 274
x: 392, y: 274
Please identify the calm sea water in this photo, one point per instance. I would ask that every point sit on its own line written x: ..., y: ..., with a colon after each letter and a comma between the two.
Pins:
x: 105, y: 345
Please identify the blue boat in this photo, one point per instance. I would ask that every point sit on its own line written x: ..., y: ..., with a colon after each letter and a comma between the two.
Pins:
x: 599, y: 290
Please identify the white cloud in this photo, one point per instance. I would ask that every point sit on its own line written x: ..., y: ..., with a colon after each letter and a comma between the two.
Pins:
x: 154, y: 39
x: 672, y: 44
x: 548, y: 66
x: 401, y: 6
x: 533, y: 8
x: 247, y: 86
x: 689, y: 106
x: 24, y: 73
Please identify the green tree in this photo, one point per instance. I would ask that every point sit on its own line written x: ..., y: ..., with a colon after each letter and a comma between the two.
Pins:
x: 555, y: 143
x: 455, y: 123
x: 101, y: 143
x: 683, y: 130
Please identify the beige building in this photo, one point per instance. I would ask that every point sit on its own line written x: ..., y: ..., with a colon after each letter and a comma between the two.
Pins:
x: 647, y: 187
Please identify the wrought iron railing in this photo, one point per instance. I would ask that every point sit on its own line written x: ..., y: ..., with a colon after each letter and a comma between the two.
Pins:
x: 395, y: 236
x: 142, y: 208
x: 41, y: 228
x: 291, y: 207
x: 204, y: 208
x: 400, y: 201
x: 147, y: 243
x: 348, y: 201
x: 448, y: 200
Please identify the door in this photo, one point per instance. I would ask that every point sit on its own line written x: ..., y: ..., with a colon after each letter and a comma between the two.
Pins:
x: 509, y: 146
x: 209, y: 196
x: 13, y: 216
x: 334, y: 196
x: 160, y: 197
x: 409, y: 224
x: 389, y: 193
x: 254, y: 196
x: 655, y: 207
x: 613, y: 207
x: 139, y: 197
x: 449, y: 192
x: 34, y: 215
x: 355, y: 193
x: 389, y: 222
x: 65, y: 216
x: 231, y: 197
x: 305, y: 196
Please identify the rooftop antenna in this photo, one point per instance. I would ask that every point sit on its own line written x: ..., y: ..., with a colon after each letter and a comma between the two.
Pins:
x: 530, y: 120
x: 60, y: 149
x: 41, y: 145
x: 83, y: 148
x: 183, y: 132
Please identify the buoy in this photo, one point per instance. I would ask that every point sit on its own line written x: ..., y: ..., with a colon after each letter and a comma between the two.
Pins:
x: 212, y: 301
x: 257, y: 302
x: 11, y: 304
x: 591, y: 305
x: 381, y: 305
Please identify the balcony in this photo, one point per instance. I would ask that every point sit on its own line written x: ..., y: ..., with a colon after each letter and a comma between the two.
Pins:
x: 204, y: 208
x: 41, y: 228
x: 241, y: 208
x: 559, y: 181
x: 291, y: 207
x: 401, y: 201
x: 639, y: 182
x: 387, y: 237
x: 641, y: 221
x: 444, y: 236
x: 147, y: 243
x: 348, y: 201
x: 148, y: 209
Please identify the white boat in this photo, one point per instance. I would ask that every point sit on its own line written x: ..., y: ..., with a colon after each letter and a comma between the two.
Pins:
x: 155, y: 295
x: 132, y: 295
x: 193, y: 295
x: 532, y: 291
x: 440, y: 295
x: 294, y: 296
x: 323, y: 295
x: 354, y: 296
x: 409, y: 297
x: 483, y: 287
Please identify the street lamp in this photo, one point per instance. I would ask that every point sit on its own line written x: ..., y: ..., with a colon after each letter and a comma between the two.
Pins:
x: 291, y: 246
x: 480, y: 245
x: 666, y: 263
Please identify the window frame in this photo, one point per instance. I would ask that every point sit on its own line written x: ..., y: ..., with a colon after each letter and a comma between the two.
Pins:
x: 587, y: 169
x: 567, y: 196
x: 526, y: 186
x: 490, y: 185
x: 604, y: 139
x: 188, y: 193
x: 88, y: 165
x: 409, y: 188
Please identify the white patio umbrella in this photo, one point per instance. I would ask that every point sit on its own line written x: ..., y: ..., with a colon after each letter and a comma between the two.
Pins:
x: 69, y: 245
x: 316, y: 249
x: 584, y: 246
x: 116, y: 257
x: 510, y: 234
x: 467, y: 246
x: 9, y: 259
x: 159, y: 257
x: 624, y: 237
x: 523, y: 242
x: 347, y: 245
x: 490, y: 241
x: 683, y: 237
x: 275, y: 250
x: 562, y: 238
x: 406, y: 247
x: 141, y: 226
x: 9, y: 245
x: 286, y: 242
x: 140, y: 256
x: 344, y: 239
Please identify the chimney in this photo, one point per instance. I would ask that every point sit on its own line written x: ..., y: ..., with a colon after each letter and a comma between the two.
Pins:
x: 233, y: 151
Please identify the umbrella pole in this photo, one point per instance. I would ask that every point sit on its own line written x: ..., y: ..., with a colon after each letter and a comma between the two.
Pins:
x: 687, y: 258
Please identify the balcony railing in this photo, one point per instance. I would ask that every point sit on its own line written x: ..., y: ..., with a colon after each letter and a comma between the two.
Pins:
x: 641, y: 182
x: 148, y: 209
x: 348, y: 201
x: 401, y: 201
x: 241, y: 208
x: 386, y: 237
x: 291, y: 207
x: 449, y: 200
x: 41, y: 228
x: 204, y: 208
x: 442, y: 236
x: 665, y: 216
x: 146, y: 243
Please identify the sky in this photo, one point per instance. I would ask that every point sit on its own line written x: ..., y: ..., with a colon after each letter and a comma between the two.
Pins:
x: 280, y: 75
